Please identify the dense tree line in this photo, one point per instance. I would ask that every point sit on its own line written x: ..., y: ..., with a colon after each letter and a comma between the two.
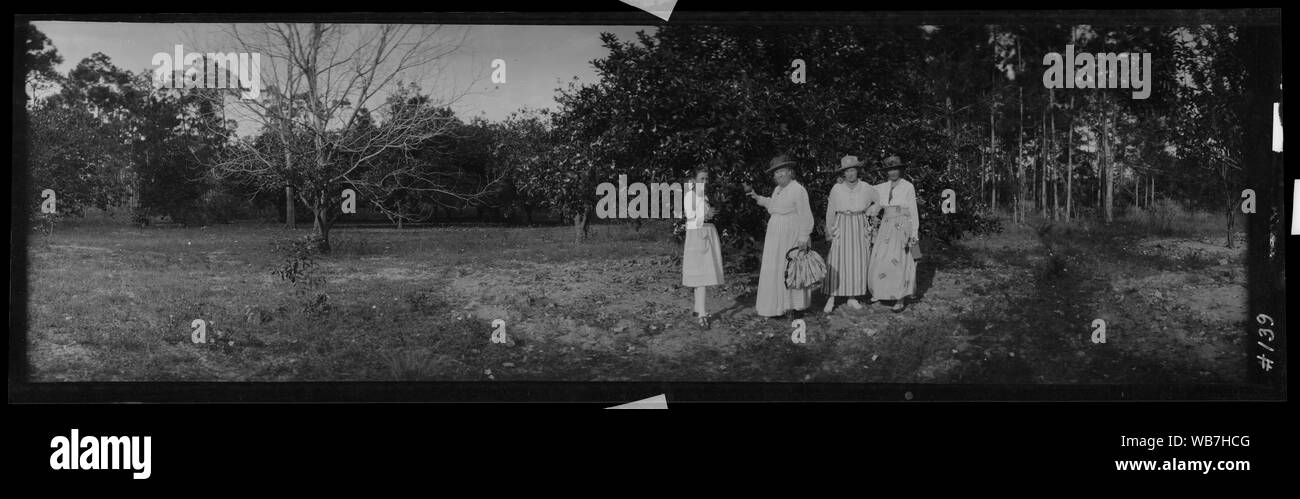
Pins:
x: 965, y: 104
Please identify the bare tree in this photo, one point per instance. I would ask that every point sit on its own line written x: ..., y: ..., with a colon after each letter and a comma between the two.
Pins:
x: 323, y: 120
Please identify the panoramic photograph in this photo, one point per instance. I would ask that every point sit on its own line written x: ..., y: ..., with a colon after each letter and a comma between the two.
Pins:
x: 956, y: 203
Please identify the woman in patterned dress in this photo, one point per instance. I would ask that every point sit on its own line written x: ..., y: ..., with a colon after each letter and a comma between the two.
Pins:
x: 893, y: 268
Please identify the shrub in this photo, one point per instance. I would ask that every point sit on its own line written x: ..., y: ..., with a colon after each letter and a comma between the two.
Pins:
x: 299, y: 268
x: 45, y: 222
x: 1173, y: 218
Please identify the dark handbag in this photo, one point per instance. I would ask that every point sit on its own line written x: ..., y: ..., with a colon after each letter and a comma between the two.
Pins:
x: 804, y: 268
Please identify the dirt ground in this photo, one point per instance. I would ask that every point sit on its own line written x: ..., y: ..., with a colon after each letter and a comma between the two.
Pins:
x: 419, y: 304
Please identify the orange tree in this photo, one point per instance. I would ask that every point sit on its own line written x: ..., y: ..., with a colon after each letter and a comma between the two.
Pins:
x: 724, y: 97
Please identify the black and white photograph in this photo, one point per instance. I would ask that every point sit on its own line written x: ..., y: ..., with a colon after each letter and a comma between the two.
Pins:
x: 1015, y: 199
x: 420, y: 246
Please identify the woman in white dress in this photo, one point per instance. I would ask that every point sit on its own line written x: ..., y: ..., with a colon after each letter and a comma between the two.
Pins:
x: 789, y: 226
x: 702, y: 255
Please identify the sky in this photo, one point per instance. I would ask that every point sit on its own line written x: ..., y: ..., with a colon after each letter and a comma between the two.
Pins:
x: 539, y: 59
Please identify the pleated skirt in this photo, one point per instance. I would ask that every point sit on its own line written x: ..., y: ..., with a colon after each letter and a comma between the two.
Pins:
x: 849, y: 256
x: 702, y: 257
x: 892, y: 270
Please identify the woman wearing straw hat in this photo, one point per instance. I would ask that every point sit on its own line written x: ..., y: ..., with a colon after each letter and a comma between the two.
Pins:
x: 702, y: 255
x: 894, y: 248
x: 789, y: 226
x: 850, y: 230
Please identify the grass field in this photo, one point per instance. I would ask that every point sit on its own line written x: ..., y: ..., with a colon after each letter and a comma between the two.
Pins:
x: 112, y: 303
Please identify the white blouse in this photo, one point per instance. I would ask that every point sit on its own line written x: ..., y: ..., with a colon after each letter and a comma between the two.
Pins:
x: 699, y: 210
x: 851, y: 199
x: 901, y: 194
x: 854, y: 199
x: 790, y: 201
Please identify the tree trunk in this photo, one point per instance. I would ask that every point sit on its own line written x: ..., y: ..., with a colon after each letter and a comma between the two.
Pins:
x: 1137, y: 191
x: 1020, y: 141
x: 1101, y: 182
x: 1135, y: 187
x: 1042, y: 167
x: 580, y: 227
x: 984, y: 174
x: 1020, y: 154
x: 1231, y: 202
x: 1056, y: 177
x: 993, y: 158
x: 1110, y: 166
x: 1100, y: 161
x: 995, y: 192
x: 290, y: 216
x: 321, y: 223
x: 1069, y: 164
x: 1056, y: 192
x: 324, y: 233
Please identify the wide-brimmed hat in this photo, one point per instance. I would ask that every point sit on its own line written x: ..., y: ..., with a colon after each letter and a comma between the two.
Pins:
x: 780, y: 161
x: 892, y: 163
x: 849, y: 162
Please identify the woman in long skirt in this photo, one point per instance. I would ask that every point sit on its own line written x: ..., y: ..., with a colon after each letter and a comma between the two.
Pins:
x: 850, y: 230
x: 893, y: 268
x: 702, y: 255
x: 789, y: 226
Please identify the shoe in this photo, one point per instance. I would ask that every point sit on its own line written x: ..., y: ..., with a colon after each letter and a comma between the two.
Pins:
x: 898, y: 306
x: 704, y: 322
x: 830, y: 305
x: 854, y: 303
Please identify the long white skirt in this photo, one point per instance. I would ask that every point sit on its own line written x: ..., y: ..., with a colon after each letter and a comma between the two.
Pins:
x: 773, y: 297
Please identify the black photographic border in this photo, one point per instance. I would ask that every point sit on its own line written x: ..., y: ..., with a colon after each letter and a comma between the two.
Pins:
x: 1263, y: 296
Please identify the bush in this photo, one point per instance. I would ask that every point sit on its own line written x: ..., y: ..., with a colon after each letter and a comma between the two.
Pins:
x: 45, y: 222
x: 1173, y: 218
x: 299, y: 259
x: 299, y: 268
x: 218, y: 206
x: 139, y: 216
